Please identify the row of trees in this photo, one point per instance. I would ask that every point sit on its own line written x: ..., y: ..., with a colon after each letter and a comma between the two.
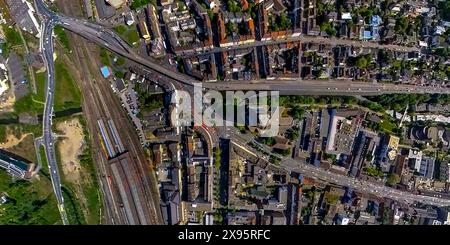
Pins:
x: 399, y: 102
x: 294, y: 101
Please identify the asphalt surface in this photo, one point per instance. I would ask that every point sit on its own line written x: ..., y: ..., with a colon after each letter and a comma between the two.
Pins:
x: 46, y: 45
x: 320, y: 87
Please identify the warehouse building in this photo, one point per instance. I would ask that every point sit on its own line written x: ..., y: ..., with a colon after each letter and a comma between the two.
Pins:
x: 15, y: 166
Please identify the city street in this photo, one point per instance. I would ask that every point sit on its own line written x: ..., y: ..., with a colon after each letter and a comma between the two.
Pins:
x: 303, y: 39
x: 46, y: 46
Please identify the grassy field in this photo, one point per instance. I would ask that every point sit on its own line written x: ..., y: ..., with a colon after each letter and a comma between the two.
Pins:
x: 26, y: 104
x: 62, y: 37
x: 91, y: 191
x: 120, y: 29
x: 130, y: 34
x: 40, y: 86
x: 67, y: 93
x: 387, y: 126
x: 33, y: 102
x: 19, y: 129
x: 25, y: 149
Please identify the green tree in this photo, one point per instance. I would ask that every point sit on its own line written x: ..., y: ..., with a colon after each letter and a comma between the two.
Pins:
x: 401, y: 25
x: 217, y: 159
x: 332, y: 157
x: 119, y: 74
x: 393, y: 179
x: 121, y: 29
x: 373, y: 171
x: 444, y: 7
x: 297, y: 112
x: 442, y: 51
x: 232, y: 6
x: 284, y: 22
x: 273, y: 24
x: 210, y: 14
x: 268, y: 141
x: 229, y: 28
x: 384, y: 55
x: 331, y: 198
x: 292, y: 134
x: 361, y: 62
x: 327, y: 27
x: 284, y: 152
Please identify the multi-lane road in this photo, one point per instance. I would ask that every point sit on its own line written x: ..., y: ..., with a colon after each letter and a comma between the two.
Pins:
x: 110, y: 40
x: 46, y: 46
x: 320, y: 87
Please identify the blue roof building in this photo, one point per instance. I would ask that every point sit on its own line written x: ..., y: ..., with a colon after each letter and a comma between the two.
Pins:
x: 106, y: 72
x: 367, y: 35
x: 375, y: 20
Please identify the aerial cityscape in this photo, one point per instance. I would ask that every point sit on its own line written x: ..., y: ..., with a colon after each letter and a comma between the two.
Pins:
x: 225, y: 112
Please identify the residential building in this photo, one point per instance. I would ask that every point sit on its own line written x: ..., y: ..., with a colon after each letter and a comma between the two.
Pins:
x: 241, y: 218
x: 210, y: 3
x: 166, y: 2
x: 364, y: 148
x: 444, y: 215
x: 104, y: 10
x: 129, y: 18
x: 117, y: 4
x: 415, y: 159
x: 427, y: 167
x: 144, y: 30
x: 444, y: 171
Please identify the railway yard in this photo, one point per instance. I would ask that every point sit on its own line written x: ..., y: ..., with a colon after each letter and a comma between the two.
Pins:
x: 132, y: 166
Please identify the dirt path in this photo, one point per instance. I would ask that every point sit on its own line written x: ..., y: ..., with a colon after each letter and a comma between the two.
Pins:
x: 8, y: 104
x: 12, y: 140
